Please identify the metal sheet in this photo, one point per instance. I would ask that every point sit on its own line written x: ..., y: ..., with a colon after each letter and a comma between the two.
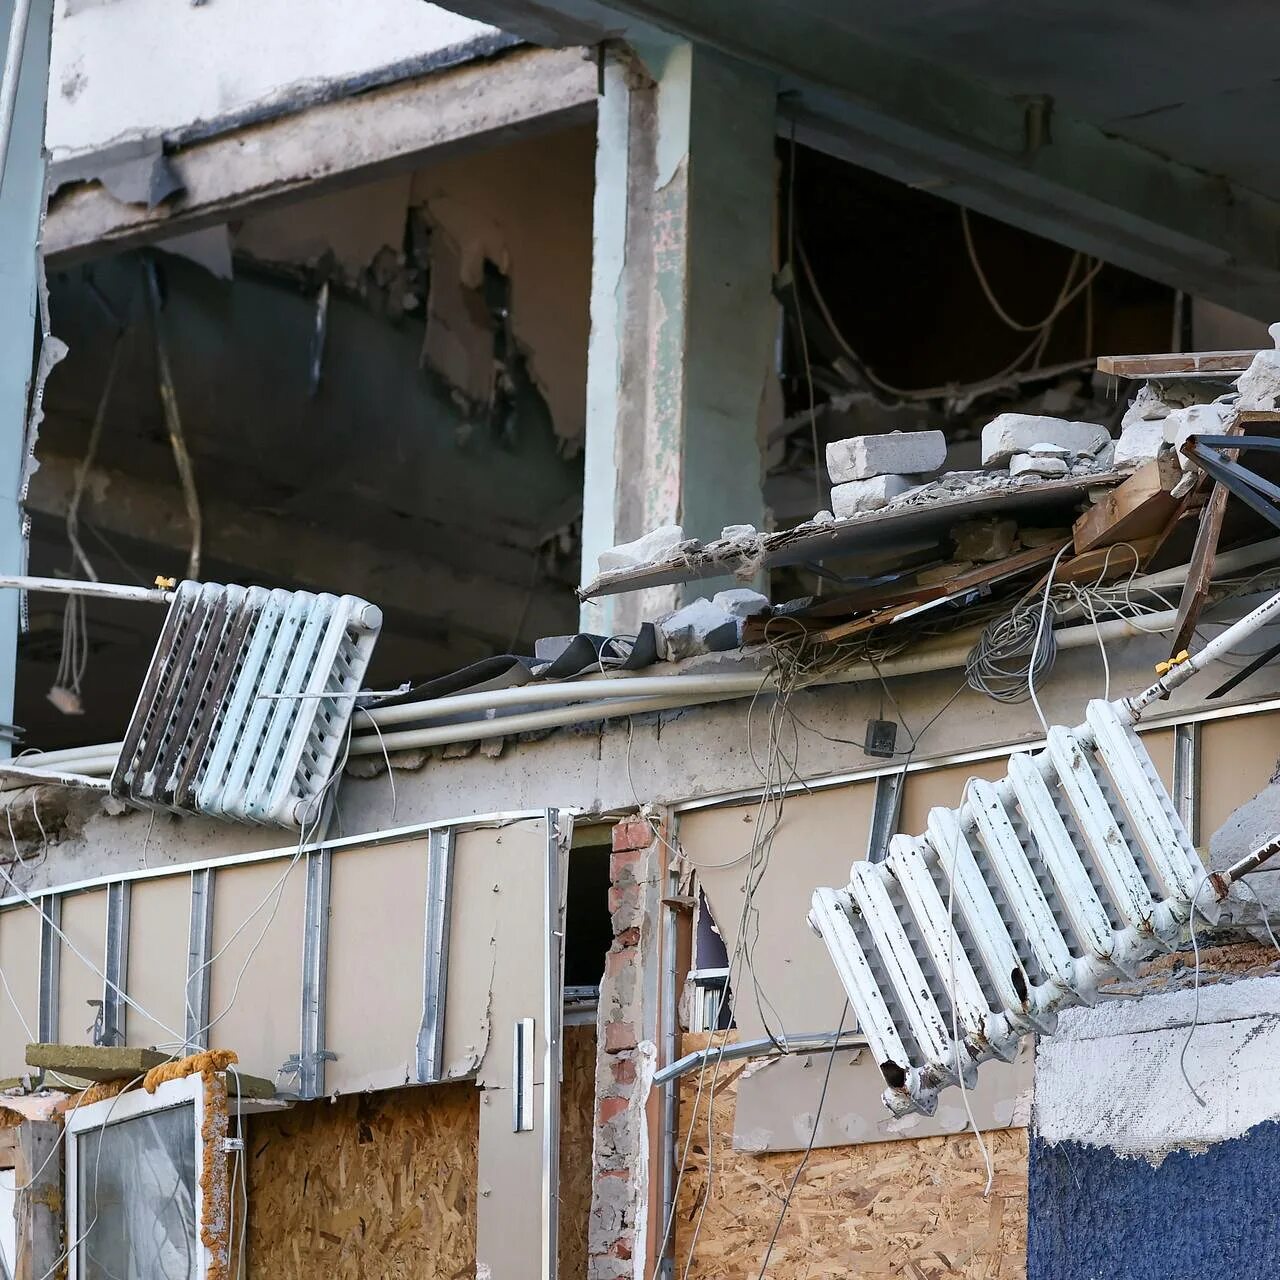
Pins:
x: 264, y: 960
x: 20, y: 1002
x: 158, y: 945
x: 84, y: 922
x: 375, y: 972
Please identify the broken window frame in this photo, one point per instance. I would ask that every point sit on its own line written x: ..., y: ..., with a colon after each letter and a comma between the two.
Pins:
x: 132, y: 1105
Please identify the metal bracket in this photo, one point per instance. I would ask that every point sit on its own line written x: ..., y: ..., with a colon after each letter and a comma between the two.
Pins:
x: 50, y: 965
x: 884, y: 815
x: 435, y: 958
x: 1254, y: 490
x: 522, y: 1076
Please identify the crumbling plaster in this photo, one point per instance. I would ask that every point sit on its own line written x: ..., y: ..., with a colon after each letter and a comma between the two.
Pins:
x: 679, y: 756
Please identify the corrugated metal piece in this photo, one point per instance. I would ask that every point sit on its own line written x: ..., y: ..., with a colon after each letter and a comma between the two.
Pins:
x: 246, y: 704
x: 1072, y: 869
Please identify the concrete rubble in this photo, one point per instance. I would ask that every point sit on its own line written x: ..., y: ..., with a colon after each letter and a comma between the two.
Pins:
x: 900, y: 453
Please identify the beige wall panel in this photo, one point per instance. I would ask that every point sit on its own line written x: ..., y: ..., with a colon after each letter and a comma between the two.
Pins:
x: 377, y: 912
x: 1159, y: 745
x: 84, y: 922
x: 262, y: 1025
x: 820, y: 835
x: 496, y: 975
x: 934, y: 788
x: 1238, y: 757
x: 20, y: 964
x: 159, y: 924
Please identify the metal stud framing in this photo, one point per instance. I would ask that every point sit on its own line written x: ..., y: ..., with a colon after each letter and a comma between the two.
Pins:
x: 435, y: 957
x: 50, y: 966
x: 116, y: 971
x: 559, y: 839
x: 884, y: 815
x: 1186, y: 777
x: 315, y: 965
x: 199, y: 952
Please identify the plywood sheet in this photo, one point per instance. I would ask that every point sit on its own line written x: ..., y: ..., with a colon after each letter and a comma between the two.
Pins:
x: 376, y: 923
x: 20, y: 1002
x: 261, y: 1020
x: 84, y: 922
x: 159, y: 920
x: 1238, y: 757
x: 577, y: 1132
x: 373, y: 1185
x: 882, y: 1211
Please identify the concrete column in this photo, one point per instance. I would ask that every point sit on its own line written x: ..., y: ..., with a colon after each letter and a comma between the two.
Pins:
x: 21, y: 207
x: 682, y: 321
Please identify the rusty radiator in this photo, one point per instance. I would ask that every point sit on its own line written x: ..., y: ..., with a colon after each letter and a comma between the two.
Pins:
x: 246, y: 704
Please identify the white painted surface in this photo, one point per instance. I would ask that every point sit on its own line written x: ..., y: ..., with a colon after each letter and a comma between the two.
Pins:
x: 1111, y: 1076
x: 128, y: 69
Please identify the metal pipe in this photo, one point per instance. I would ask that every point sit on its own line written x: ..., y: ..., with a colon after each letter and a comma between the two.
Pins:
x: 18, y: 25
x: 43, y: 777
x: 74, y: 587
x: 802, y: 1042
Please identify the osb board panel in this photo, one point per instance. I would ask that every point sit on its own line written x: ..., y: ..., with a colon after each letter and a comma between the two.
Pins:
x: 883, y: 1211
x: 577, y: 1130
x: 377, y: 916
x: 20, y: 1003
x: 819, y: 836
x: 84, y: 922
x: 1238, y: 757
x: 934, y: 788
x: 374, y: 1186
x: 261, y: 1022
x: 159, y: 920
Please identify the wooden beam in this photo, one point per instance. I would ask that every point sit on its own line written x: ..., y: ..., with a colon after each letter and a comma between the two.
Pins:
x: 1138, y: 508
x: 334, y: 144
x: 38, y: 1169
x: 1221, y: 363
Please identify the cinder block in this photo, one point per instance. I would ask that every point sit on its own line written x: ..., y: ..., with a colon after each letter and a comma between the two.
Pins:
x: 895, y: 453
x: 1032, y: 464
x: 857, y: 496
x: 1011, y: 433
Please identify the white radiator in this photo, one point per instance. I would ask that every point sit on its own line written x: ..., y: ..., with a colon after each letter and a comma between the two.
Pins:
x: 1070, y: 870
x: 245, y: 706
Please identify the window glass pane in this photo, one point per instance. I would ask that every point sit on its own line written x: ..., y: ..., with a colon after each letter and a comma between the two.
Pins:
x: 137, y: 1198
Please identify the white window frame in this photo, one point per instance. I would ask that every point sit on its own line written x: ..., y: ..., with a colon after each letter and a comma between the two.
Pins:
x: 128, y: 1106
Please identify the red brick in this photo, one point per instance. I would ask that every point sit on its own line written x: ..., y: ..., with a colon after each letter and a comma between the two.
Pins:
x: 611, y: 1107
x: 627, y: 895
x: 621, y: 1247
x: 622, y: 864
x: 614, y: 1173
x: 632, y: 833
x: 624, y: 1071
x: 628, y: 938
x: 618, y: 1036
x: 616, y: 961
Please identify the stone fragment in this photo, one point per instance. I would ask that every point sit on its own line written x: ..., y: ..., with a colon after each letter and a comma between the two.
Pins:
x: 657, y: 544
x: 1147, y: 406
x: 699, y: 627
x: 1043, y: 450
x: 894, y: 453
x: 867, y: 495
x: 1035, y: 465
x: 1011, y: 433
x: 823, y: 517
x: 1195, y: 420
x: 1259, y: 385
x: 985, y: 540
x: 740, y: 602
x: 1140, y: 440
x: 737, y: 532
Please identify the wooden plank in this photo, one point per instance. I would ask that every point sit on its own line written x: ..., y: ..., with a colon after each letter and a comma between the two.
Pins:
x: 38, y: 1168
x: 1147, y: 366
x: 1139, y: 508
x: 1105, y: 564
x: 9, y: 1147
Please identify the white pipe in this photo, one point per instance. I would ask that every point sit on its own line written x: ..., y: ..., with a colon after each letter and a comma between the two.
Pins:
x: 72, y: 587
x: 19, y: 21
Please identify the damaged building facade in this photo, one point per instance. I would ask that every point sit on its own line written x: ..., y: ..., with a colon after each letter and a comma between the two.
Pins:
x: 355, y: 923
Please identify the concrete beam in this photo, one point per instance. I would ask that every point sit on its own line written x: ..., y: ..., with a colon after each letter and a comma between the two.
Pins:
x: 334, y: 144
x: 468, y: 604
x: 933, y: 126
x: 682, y: 318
